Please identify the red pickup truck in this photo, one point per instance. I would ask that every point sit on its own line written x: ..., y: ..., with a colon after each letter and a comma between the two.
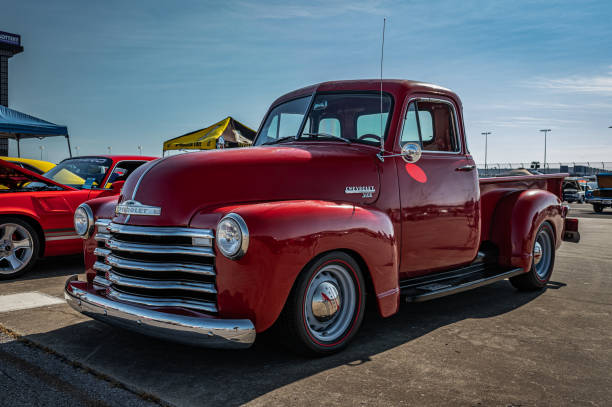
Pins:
x: 352, y: 194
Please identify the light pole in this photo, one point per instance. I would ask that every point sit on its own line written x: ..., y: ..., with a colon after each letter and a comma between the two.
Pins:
x: 545, y: 131
x: 109, y: 150
x: 41, y: 151
x: 140, y: 149
x: 486, y: 134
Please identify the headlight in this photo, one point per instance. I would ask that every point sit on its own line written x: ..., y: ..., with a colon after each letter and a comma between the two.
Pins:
x: 83, y: 221
x: 232, y: 236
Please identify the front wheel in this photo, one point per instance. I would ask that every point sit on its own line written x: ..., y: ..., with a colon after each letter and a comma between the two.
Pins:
x: 543, y: 254
x: 598, y: 208
x: 19, y: 247
x: 326, y: 306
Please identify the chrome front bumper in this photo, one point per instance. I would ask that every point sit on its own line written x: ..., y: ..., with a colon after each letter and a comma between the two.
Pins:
x: 207, y: 332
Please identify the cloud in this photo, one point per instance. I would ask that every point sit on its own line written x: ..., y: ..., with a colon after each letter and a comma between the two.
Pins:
x: 314, y: 9
x: 525, y: 122
x: 597, y: 84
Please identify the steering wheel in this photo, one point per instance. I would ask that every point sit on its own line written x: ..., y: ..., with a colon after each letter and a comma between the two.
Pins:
x: 374, y: 137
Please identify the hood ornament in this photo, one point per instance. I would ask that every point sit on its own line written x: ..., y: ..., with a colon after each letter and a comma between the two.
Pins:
x: 132, y: 207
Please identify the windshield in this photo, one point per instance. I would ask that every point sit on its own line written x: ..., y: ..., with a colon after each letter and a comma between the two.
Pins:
x: 81, y: 173
x: 283, y: 121
x: 349, y: 117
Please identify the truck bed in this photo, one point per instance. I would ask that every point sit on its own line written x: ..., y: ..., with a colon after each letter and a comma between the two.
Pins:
x: 493, y: 189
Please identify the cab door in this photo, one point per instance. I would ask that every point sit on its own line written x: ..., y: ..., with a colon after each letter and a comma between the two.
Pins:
x: 439, y: 193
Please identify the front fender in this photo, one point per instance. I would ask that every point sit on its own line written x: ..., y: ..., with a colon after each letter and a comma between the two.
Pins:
x: 284, y: 238
x: 516, y: 221
x: 8, y: 211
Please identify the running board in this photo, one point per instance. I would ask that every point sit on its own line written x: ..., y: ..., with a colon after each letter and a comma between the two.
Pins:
x: 438, y: 285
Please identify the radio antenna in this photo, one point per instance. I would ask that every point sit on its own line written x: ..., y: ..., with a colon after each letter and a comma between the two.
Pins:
x: 382, y: 57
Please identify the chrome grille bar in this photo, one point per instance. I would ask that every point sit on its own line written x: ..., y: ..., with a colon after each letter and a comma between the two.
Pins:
x: 121, y: 280
x: 137, y: 265
x: 161, y: 302
x: 99, y: 266
x: 160, y: 231
x: 101, y: 281
x: 99, y: 251
x: 146, y: 248
x: 101, y: 237
x: 132, y: 278
x: 103, y: 224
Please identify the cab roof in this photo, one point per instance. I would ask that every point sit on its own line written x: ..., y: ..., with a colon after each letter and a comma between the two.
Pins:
x: 396, y: 87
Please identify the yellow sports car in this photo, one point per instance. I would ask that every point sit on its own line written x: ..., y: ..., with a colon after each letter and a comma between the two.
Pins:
x: 37, y: 166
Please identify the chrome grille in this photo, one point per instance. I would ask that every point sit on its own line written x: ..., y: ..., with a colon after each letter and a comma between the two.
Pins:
x: 156, y: 266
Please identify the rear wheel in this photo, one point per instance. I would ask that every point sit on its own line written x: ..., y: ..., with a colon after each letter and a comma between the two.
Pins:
x: 543, y: 254
x: 326, y: 306
x: 19, y: 247
x: 598, y: 208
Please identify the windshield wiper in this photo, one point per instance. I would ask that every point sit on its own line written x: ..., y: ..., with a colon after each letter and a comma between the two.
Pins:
x: 327, y: 135
x: 279, y: 140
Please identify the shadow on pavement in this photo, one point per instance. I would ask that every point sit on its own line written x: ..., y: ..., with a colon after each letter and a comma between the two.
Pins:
x: 187, y: 375
x: 54, y: 267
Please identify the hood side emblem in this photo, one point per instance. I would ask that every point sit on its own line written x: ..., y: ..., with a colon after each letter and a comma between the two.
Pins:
x: 132, y: 207
x: 366, y: 191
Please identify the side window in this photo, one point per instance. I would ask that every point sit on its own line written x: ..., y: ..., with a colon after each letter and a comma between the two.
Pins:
x: 435, y: 128
x: 410, y: 131
x: 330, y: 125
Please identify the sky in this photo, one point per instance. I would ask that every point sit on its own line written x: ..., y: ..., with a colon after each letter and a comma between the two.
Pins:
x: 121, y: 74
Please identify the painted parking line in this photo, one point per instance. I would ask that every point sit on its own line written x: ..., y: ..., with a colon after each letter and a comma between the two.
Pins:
x: 15, y: 302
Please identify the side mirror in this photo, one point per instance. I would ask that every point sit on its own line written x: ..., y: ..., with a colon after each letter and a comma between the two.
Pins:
x: 411, y: 152
x: 116, y: 186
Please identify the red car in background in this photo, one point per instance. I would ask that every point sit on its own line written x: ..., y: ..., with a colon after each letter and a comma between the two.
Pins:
x: 36, y: 211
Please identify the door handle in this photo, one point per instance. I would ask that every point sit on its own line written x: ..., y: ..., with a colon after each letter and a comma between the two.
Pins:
x: 466, y: 168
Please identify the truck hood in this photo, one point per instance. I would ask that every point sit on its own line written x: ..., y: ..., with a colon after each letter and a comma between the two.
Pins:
x: 184, y: 184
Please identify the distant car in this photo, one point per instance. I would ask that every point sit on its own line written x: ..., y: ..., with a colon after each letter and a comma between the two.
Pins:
x: 36, y: 211
x: 572, y: 191
x: 601, y: 197
x: 37, y: 166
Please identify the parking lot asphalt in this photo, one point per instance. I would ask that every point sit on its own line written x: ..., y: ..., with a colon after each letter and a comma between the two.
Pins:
x: 489, y: 346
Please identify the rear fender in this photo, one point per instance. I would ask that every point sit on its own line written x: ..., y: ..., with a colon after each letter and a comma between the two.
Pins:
x: 285, y: 237
x: 516, y: 221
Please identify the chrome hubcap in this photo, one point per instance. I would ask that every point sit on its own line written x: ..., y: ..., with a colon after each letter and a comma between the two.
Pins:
x: 542, y: 254
x: 15, y: 248
x: 330, y: 304
x: 325, y: 301
x: 537, y: 253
